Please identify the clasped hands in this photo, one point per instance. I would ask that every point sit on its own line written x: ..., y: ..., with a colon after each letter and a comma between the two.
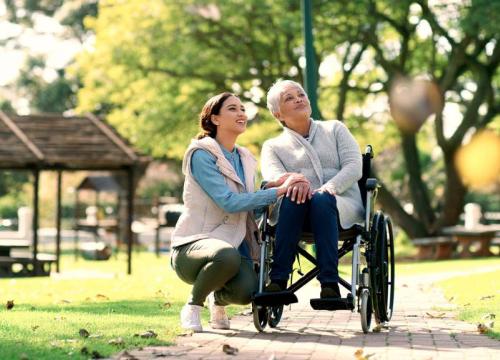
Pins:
x: 297, y: 187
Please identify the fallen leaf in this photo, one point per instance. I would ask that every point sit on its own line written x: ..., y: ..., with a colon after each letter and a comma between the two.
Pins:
x: 10, y: 304
x: 124, y: 355
x: 83, y: 333
x: 64, y: 301
x: 34, y: 327
x: 95, y: 336
x: 187, y: 333
x: 147, y: 334
x: 101, y: 297
x: 436, y: 316
x: 159, y: 293
x: 487, y: 297
x: 359, y: 355
x: 229, y: 349
x: 96, y: 355
x: 451, y: 298
x: 167, y: 305
x: 377, y: 328
x: 482, y: 328
x: 59, y: 317
x: 488, y: 316
x: 468, y: 304
x: 117, y: 341
x: 161, y: 354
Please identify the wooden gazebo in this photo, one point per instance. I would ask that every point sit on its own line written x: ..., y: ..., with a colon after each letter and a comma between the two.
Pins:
x: 67, y: 143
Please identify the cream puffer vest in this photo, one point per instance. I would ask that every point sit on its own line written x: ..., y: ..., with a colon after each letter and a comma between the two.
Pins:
x: 202, y: 217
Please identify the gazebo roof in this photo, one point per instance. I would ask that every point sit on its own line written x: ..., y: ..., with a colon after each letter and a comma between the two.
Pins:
x: 99, y: 184
x: 54, y: 141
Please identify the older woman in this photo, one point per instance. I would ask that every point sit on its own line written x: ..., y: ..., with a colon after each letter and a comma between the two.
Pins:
x: 214, y: 240
x: 326, y: 153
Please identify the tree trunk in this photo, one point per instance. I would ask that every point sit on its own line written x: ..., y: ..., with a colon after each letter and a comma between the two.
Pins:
x: 418, y: 190
x: 454, y: 195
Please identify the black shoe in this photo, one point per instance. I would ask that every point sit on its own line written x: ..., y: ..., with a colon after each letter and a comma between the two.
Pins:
x: 275, y: 286
x: 329, y: 290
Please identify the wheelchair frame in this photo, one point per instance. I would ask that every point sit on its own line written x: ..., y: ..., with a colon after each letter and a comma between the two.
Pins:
x: 371, y: 288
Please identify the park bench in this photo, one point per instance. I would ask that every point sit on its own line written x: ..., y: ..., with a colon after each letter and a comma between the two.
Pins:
x: 435, y: 248
x: 22, y: 265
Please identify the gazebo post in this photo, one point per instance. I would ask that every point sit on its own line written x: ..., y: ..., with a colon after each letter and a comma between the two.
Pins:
x: 58, y: 220
x: 130, y: 209
x: 77, y: 207
x: 36, y: 187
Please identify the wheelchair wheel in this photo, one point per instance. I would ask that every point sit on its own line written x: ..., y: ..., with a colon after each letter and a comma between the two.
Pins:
x: 366, y: 310
x: 260, y: 316
x: 274, y: 317
x: 382, y: 272
x: 391, y: 272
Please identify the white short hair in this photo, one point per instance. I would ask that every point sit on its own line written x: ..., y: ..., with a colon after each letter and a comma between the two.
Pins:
x: 274, y: 94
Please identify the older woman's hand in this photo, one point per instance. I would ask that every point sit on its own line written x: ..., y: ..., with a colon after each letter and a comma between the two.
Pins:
x: 299, y: 188
x: 299, y: 192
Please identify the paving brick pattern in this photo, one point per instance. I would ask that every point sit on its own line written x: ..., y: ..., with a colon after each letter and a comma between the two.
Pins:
x: 422, y: 327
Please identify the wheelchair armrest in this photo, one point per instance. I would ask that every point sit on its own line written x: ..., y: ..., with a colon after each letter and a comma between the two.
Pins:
x: 371, y: 184
x: 263, y: 184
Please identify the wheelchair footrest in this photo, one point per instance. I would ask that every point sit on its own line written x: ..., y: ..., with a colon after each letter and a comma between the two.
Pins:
x: 275, y: 298
x: 332, y: 304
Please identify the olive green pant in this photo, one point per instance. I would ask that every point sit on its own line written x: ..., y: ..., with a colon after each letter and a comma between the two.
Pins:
x: 214, y: 265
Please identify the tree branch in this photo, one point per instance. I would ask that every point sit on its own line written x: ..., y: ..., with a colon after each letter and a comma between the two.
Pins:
x: 429, y: 16
x: 471, y: 114
x: 413, y: 227
x: 344, y: 86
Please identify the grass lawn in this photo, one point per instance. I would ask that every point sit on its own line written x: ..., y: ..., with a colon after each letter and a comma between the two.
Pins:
x: 48, y: 313
x: 477, y: 296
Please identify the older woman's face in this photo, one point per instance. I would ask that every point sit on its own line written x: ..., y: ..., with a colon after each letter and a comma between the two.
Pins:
x: 294, y: 104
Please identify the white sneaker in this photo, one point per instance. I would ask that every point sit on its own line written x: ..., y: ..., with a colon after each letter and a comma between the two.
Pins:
x: 190, y: 317
x: 218, y: 316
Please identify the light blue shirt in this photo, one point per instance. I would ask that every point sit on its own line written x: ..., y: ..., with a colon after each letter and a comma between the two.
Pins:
x: 207, y: 174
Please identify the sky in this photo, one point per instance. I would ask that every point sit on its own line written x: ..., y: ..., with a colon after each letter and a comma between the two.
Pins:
x: 46, y: 38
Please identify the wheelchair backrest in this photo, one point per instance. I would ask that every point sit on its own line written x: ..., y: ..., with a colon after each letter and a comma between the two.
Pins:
x: 367, y: 162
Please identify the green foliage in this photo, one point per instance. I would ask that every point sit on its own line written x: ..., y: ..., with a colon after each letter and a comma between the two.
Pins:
x: 152, y: 68
x: 12, y: 194
x: 56, y: 96
x: 161, y: 188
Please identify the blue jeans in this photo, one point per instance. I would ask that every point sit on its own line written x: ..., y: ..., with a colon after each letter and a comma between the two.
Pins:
x: 318, y: 215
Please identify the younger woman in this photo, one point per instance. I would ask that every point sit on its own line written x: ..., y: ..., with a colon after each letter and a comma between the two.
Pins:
x: 214, y: 241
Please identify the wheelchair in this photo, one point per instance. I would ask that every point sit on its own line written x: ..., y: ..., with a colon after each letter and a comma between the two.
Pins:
x: 371, y: 290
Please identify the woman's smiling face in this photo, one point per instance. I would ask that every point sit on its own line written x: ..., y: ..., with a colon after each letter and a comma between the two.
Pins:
x: 232, y: 117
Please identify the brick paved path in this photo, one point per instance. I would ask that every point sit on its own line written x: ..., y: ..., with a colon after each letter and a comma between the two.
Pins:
x: 422, y: 327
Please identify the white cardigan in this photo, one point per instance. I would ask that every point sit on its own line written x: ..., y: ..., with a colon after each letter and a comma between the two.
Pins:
x: 329, y: 156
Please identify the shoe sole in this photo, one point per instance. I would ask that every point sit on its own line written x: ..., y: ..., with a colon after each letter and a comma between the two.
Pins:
x: 220, y: 327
